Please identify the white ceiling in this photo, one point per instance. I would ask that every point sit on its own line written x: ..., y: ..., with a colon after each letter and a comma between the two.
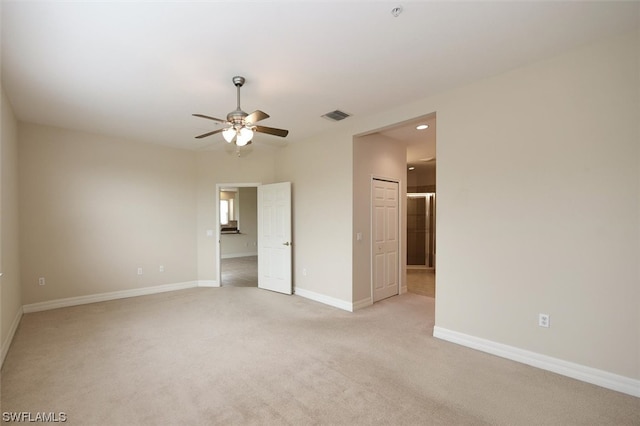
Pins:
x: 138, y: 70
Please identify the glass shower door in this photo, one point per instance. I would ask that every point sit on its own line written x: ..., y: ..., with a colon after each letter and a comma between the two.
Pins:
x: 421, y: 230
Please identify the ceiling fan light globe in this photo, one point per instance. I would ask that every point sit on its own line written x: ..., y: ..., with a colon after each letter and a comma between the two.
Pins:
x: 244, y: 136
x: 229, y: 134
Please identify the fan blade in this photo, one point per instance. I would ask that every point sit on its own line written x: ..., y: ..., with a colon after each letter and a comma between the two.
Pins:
x: 210, y: 118
x: 209, y: 134
x: 256, y: 116
x: 271, y: 131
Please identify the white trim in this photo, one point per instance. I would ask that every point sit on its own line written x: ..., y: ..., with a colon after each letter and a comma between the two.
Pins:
x: 208, y: 283
x: 102, y: 297
x: 591, y: 375
x: 327, y: 300
x: 12, y: 331
x: 234, y: 255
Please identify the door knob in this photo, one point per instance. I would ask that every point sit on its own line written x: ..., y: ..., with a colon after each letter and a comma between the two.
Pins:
x: 287, y: 243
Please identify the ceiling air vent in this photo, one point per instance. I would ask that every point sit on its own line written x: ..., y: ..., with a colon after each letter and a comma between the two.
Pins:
x: 336, y: 115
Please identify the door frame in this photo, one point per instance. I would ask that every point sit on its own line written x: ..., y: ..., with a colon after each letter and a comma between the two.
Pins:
x: 400, y: 239
x: 218, y: 234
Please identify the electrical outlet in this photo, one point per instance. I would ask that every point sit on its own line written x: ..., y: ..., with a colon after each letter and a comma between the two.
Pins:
x: 41, y: 281
x: 139, y: 271
x: 544, y: 320
x: 161, y: 268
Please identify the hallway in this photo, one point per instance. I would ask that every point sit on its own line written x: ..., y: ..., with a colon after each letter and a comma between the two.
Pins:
x: 422, y: 281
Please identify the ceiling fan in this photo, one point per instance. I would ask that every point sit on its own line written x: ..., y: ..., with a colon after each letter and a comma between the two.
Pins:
x: 240, y: 125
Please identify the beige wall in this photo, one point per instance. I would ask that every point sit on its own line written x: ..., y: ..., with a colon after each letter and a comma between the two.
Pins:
x: 321, y: 172
x: 95, y: 209
x: 10, y: 292
x: 538, y: 206
x: 374, y: 155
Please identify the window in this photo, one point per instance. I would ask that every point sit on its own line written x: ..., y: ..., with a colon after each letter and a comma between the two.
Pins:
x: 228, y: 211
x: 224, y: 212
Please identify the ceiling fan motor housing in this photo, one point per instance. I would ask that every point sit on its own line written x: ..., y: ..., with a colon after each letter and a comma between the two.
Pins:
x: 236, y: 117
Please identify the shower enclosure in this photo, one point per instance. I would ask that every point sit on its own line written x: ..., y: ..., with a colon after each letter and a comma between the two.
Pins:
x: 421, y: 241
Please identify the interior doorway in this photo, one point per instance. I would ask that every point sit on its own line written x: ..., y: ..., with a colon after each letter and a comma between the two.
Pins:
x: 407, y: 151
x: 421, y: 232
x: 237, y: 221
x: 421, y: 209
x: 254, y: 228
x: 421, y: 243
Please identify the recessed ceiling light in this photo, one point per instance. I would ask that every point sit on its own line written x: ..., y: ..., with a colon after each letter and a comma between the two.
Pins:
x: 422, y: 127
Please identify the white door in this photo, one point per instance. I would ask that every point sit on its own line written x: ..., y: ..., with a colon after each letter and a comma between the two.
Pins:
x: 274, y: 237
x: 386, y: 243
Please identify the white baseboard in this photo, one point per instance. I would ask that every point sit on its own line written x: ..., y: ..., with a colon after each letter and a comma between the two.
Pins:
x: 12, y: 331
x: 233, y: 255
x: 208, y: 283
x: 327, y: 300
x: 575, y: 371
x: 102, y: 297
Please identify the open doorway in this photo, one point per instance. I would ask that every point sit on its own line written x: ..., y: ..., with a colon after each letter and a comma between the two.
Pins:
x: 421, y: 209
x: 238, y: 234
x: 421, y: 243
x: 390, y: 152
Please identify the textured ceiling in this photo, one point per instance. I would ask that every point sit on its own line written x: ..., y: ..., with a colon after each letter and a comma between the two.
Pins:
x: 139, y: 70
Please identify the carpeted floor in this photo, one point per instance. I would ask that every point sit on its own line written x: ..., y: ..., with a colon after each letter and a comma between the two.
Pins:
x: 242, y: 355
x: 243, y: 272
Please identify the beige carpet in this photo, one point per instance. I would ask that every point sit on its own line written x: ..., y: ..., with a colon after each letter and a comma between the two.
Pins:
x: 240, y: 355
